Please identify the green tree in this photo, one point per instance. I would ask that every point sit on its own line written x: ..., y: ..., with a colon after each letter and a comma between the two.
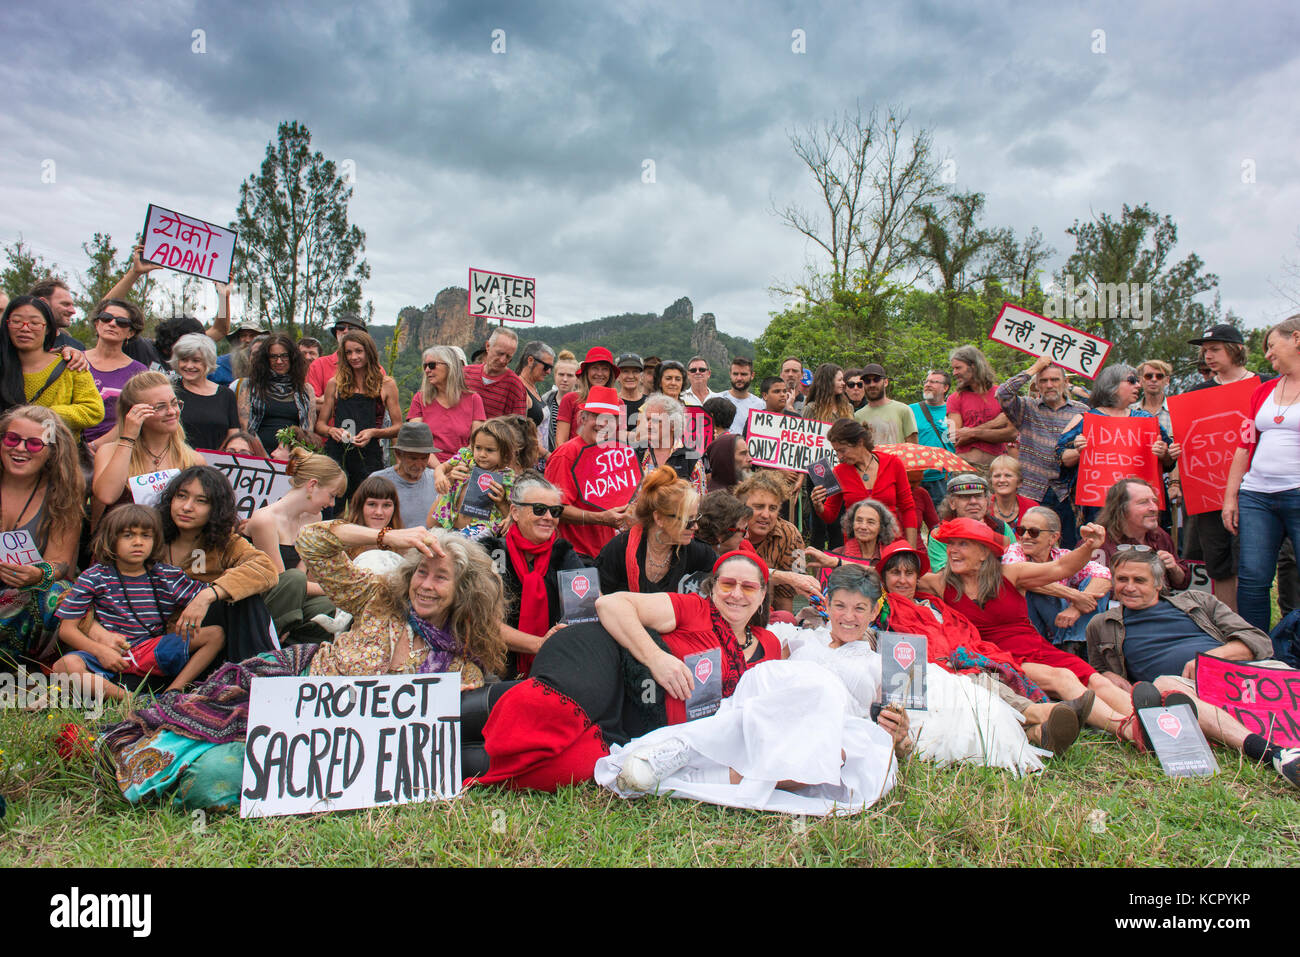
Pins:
x: 955, y: 247
x: 296, y: 246
x: 23, y: 268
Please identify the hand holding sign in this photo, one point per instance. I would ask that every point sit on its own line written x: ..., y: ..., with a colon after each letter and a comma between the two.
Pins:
x: 672, y: 675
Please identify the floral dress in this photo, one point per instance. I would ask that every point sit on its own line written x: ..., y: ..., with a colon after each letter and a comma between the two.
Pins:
x: 446, y: 508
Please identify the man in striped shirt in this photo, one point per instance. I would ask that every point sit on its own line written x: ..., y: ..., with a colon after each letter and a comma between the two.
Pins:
x: 502, y: 391
x: 1041, y: 422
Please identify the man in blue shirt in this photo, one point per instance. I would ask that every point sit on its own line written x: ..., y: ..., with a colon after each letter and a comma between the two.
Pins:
x: 932, y: 426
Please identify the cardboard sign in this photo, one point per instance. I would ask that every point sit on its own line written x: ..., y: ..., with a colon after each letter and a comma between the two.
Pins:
x: 822, y: 473
x: 1208, y: 425
x: 188, y: 245
x: 19, y: 548
x: 706, y: 697
x: 1039, y: 336
x: 902, y: 664
x: 579, y: 589
x: 1116, y: 449
x: 606, y: 475
x: 1179, y: 743
x: 334, y: 744
x: 147, y: 489
x: 699, y: 430
x: 781, y: 441
x: 498, y: 295
x: 1265, y: 700
x: 1200, y: 580
x: 256, y: 481
x: 476, y: 503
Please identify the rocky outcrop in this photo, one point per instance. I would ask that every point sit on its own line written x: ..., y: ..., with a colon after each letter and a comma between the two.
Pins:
x: 445, y: 323
x: 705, y: 343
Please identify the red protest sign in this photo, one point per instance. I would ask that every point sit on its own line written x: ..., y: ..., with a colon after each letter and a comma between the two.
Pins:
x: 1265, y: 700
x: 606, y: 475
x: 699, y: 430
x: 1207, y: 424
x: 1117, y: 448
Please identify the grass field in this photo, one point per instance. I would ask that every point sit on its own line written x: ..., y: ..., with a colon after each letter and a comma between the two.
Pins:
x: 60, y: 814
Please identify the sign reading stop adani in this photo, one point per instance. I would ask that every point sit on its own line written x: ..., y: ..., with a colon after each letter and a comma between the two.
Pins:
x: 780, y: 441
x: 1265, y: 700
x: 1208, y: 425
x: 188, y: 245
x: 606, y: 475
x: 1116, y: 449
x: 499, y: 295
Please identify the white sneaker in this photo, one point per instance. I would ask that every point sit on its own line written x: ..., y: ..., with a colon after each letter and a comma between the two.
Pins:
x: 645, y: 767
x: 1287, y: 763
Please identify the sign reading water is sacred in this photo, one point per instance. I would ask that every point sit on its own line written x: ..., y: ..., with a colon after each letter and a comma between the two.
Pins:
x: 335, y: 744
x: 499, y: 295
x: 902, y: 665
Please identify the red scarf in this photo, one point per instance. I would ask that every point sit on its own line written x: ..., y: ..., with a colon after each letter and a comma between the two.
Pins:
x: 534, y: 608
x: 633, y: 569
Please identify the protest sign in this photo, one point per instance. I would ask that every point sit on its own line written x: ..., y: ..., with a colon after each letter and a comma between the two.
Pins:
x: 256, y: 481
x: 786, y: 442
x: 1200, y: 579
x: 1208, y: 423
x: 1265, y: 700
x: 147, y: 489
x: 1117, y: 448
x: 19, y: 548
x: 188, y: 245
x: 606, y: 475
x: 699, y: 430
x: 334, y: 744
x: 1178, y: 741
x: 706, y: 697
x: 1039, y: 336
x: 579, y: 589
x: 822, y: 473
x: 902, y: 663
x: 476, y: 503
x: 498, y: 295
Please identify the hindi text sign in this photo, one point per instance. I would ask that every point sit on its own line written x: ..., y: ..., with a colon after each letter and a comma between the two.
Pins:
x: 1265, y: 700
x: 1117, y: 448
x: 498, y: 295
x: 256, y: 481
x: 781, y: 441
x: 1207, y: 423
x: 188, y: 245
x: 1039, y: 336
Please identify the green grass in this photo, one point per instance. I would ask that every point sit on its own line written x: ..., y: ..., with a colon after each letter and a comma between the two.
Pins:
x: 61, y: 814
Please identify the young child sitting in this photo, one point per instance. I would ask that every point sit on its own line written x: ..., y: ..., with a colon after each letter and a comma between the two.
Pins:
x: 491, y: 448
x: 133, y: 596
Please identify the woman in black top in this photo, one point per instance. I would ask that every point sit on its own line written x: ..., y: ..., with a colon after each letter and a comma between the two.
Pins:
x: 277, y: 395
x: 536, y: 360
x: 658, y: 553
x: 209, y: 415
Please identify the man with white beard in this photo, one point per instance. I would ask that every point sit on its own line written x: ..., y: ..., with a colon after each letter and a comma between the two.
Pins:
x: 932, y: 426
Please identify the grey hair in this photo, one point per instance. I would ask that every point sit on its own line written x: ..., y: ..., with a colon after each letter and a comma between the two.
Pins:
x: 670, y: 407
x: 455, y: 385
x: 500, y: 331
x: 195, y: 344
x: 1048, y: 515
x: 1107, y: 383
x: 855, y: 578
x: 1126, y: 556
x: 888, y: 524
x: 530, y: 482
x: 979, y: 363
x: 533, y: 350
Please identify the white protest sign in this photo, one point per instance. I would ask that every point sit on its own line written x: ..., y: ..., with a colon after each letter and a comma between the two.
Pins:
x: 335, y: 744
x: 147, y: 489
x: 498, y: 295
x: 1039, y: 336
x: 19, y: 548
x: 781, y: 441
x: 256, y: 481
x: 189, y: 245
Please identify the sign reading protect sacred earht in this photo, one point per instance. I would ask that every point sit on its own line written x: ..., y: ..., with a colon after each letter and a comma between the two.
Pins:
x: 781, y: 441
x: 1208, y: 424
x: 256, y: 481
x: 1039, y: 336
x: 188, y: 245
x: 334, y: 744
x: 606, y: 475
x: 498, y: 295
x: 1117, y: 448
x: 1265, y: 700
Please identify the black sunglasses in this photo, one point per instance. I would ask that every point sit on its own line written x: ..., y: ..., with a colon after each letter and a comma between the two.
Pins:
x: 855, y: 384
x: 1031, y: 532
x: 872, y: 379
x: 433, y: 364
x: 1133, y: 380
x: 121, y: 323
x: 539, y: 509
x: 699, y: 370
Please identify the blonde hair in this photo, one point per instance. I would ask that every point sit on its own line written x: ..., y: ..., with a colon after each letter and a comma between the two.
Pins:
x: 65, y: 486
x: 305, y: 465
x: 762, y: 480
x: 1158, y: 364
x: 663, y: 492
x: 1008, y: 462
x: 182, y: 456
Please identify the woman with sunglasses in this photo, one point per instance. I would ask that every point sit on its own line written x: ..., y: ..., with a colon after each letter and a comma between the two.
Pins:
x: 42, y: 492
x: 33, y: 372
x: 659, y: 549
x: 443, y: 403
x: 529, y: 558
x: 536, y: 360
x: 115, y: 321
x: 276, y: 394
x: 1114, y: 393
x: 211, y: 414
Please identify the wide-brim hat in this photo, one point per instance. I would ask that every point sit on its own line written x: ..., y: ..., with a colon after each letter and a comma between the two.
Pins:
x: 1223, y: 332
x: 971, y: 530
x: 596, y: 354
x: 249, y: 326
x: 602, y: 400
x: 414, y: 437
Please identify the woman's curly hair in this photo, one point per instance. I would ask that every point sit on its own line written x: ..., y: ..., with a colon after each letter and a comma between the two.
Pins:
x: 221, y: 497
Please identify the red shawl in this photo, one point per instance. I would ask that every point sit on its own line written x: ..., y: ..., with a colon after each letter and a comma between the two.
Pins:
x: 956, y: 631
x: 534, y: 608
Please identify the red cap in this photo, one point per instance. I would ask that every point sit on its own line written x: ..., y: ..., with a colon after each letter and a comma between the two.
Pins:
x: 746, y: 550
x: 902, y: 545
x: 602, y: 400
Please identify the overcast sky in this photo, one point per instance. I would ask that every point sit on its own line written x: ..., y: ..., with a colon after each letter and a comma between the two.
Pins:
x: 530, y: 161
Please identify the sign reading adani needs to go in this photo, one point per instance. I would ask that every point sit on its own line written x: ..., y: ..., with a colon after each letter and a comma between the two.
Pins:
x: 188, y: 245
x: 498, y: 295
x: 334, y: 744
x: 781, y: 441
x: 1117, y: 448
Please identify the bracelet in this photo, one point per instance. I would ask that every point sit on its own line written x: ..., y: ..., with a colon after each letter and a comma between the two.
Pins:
x: 216, y: 595
x: 379, y: 539
x: 125, y: 438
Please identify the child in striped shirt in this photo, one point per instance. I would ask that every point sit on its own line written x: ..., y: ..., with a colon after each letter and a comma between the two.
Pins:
x: 133, y: 595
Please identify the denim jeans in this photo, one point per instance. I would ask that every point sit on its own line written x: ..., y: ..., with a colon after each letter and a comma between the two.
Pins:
x: 1043, y: 610
x: 1263, y: 518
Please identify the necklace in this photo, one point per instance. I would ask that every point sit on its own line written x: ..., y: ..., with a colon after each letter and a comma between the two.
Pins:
x: 148, y: 451
x: 749, y: 639
x: 1007, y: 517
x: 1282, y: 409
x: 22, y: 511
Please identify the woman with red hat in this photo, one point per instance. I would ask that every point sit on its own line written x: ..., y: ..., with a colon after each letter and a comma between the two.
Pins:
x: 596, y: 369
x: 992, y: 595
x: 595, y: 685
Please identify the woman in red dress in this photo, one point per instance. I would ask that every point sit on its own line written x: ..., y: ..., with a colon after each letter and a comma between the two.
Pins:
x: 594, y: 685
x: 864, y: 473
x: 992, y: 596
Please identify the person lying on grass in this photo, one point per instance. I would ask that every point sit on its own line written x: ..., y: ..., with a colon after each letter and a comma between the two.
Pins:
x: 1152, y: 638
x: 133, y: 596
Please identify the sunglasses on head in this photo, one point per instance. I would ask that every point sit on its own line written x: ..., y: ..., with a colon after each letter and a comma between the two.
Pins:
x: 1133, y: 548
x: 1031, y: 532
x: 121, y: 322
x: 12, y: 440
x: 539, y: 509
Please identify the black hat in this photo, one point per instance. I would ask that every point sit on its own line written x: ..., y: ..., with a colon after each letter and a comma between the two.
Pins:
x: 874, y: 368
x: 350, y: 319
x: 1223, y: 332
x: 630, y: 360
